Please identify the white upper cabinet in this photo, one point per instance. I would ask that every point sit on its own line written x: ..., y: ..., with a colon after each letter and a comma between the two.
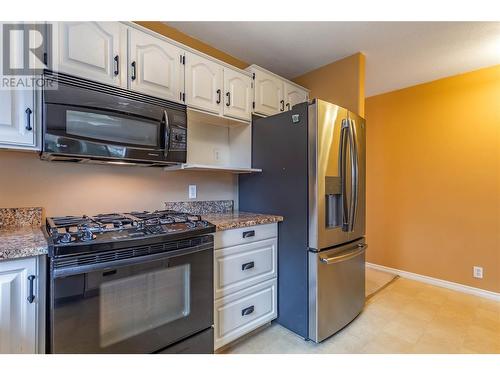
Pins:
x: 204, y: 86
x: 17, y: 109
x: 294, y: 95
x: 18, y: 312
x: 92, y: 50
x: 17, y: 119
x: 155, y: 66
x: 237, y: 95
x: 268, y: 94
x: 274, y: 94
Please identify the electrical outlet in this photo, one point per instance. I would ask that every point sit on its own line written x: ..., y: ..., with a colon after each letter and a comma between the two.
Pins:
x: 477, y: 272
x: 216, y: 154
x: 192, y: 191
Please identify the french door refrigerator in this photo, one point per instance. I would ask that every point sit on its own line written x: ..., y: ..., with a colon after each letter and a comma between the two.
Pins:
x: 313, y: 173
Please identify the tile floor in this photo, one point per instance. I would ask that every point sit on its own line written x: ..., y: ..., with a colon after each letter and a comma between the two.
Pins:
x: 404, y: 317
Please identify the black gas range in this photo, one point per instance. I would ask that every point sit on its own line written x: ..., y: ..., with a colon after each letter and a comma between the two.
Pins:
x: 71, y: 235
x: 137, y: 282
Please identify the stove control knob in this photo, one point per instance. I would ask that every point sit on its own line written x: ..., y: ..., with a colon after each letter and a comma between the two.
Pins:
x: 65, y: 238
x: 87, y: 235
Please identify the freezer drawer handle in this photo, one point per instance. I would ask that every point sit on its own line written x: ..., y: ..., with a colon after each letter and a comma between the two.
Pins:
x: 247, y: 311
x: 250, y: 233
x: 247, y: 266
x: 360, y: 249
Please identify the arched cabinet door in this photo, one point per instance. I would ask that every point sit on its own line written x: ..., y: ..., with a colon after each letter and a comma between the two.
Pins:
x: 237, y: 95
x: 155, y: 66
x: 294, y: 95
x: 268, y: 94
x: 92, y: 50
x: 204, y: 86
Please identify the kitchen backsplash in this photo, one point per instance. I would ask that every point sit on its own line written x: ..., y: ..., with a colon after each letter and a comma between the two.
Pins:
x: 20, y: 217
x: 201, y: 207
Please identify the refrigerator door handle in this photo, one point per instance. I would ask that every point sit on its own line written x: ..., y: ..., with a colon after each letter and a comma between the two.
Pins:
x: 354, y: 175
x: 360, y: 248
x: 343, y: 172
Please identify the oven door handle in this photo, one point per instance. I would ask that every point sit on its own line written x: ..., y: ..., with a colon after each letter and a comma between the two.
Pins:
x: 78, y: 270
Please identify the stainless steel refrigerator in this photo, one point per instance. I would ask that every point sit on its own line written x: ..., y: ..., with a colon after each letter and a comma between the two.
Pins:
x: 313, y: 173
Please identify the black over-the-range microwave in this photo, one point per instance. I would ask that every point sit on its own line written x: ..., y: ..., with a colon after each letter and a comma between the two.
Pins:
x: 86, y: 121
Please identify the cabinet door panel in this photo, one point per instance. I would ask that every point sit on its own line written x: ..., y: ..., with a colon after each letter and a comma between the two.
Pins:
x: 294, y: 95
x: 17, y: 315
x: 16, y: 106
x: 158, y: 70
x: 204, y: 85
x: 237, y: 95
x: 93, y: 50
x: 268, y: 94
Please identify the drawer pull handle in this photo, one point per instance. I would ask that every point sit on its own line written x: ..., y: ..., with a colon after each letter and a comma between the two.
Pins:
x: 247, y: 266
x: 250, y: 233
x: 247, y: 311
x: 31, y: 297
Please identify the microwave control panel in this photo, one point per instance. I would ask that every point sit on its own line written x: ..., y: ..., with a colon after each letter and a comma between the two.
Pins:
x: 178, y: 137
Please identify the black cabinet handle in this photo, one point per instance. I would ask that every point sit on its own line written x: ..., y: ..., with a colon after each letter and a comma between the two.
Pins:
x: 134, y: 76
x: 287, y: 106
x: 28, y: 119
x: 218, y: 96
x: 31, y: 297
x: 248, y: 310
x: 247, y: 266
x: 282, y: 105
x: 228, y: 94
x: 117, y: 65
x: 250, y: 233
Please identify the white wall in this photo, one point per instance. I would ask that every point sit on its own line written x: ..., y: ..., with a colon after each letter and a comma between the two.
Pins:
x: 73, y: 189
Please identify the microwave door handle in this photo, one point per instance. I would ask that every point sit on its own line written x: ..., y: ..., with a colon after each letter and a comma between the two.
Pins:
x: 343, y: 170
x: 354, y: 174
x: 167, y: 132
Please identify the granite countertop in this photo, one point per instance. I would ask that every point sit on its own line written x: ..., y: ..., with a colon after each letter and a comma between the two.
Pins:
x: 232, y: 220
x: 19, y: 242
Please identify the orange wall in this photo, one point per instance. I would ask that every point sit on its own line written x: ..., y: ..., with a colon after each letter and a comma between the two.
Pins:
x: 341, y: 82
x: 433, y: 178
x: 175, y: 34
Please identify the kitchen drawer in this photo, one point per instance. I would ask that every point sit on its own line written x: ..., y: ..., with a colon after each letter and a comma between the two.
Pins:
x: 241, y: 266
x: 244, y: 311
x: 240, y: 236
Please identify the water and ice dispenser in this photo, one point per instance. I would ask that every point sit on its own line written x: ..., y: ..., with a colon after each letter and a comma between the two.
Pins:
x: 333, y: 202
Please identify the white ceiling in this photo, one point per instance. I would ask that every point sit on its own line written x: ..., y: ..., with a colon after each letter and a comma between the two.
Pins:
x: 398, y: 54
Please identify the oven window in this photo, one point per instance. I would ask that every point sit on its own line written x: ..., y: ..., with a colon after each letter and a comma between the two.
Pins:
x: 133, y: 305
x: 111, y: 128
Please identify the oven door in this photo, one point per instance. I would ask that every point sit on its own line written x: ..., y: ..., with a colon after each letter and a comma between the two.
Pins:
x: 135, y: 305
x: 91, y: 120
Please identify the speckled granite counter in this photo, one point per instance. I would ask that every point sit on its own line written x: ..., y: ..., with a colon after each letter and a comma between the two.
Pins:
x: 232, y: 220
x: 20, y: 233
x: 22, y: 242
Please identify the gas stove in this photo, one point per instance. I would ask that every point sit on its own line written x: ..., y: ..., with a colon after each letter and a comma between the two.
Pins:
x: 70, y: 235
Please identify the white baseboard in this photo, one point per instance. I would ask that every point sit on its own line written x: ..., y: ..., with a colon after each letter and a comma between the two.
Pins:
x: 437, y: 282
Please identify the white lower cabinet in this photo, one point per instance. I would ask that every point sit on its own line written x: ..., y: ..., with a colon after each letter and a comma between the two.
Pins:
x: 245, y: 281
x: 242, y: 312
x: 19, y: 303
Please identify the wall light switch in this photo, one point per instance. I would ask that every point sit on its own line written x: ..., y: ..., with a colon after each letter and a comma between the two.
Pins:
x: 192, y: 191
x: 477, y: 272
